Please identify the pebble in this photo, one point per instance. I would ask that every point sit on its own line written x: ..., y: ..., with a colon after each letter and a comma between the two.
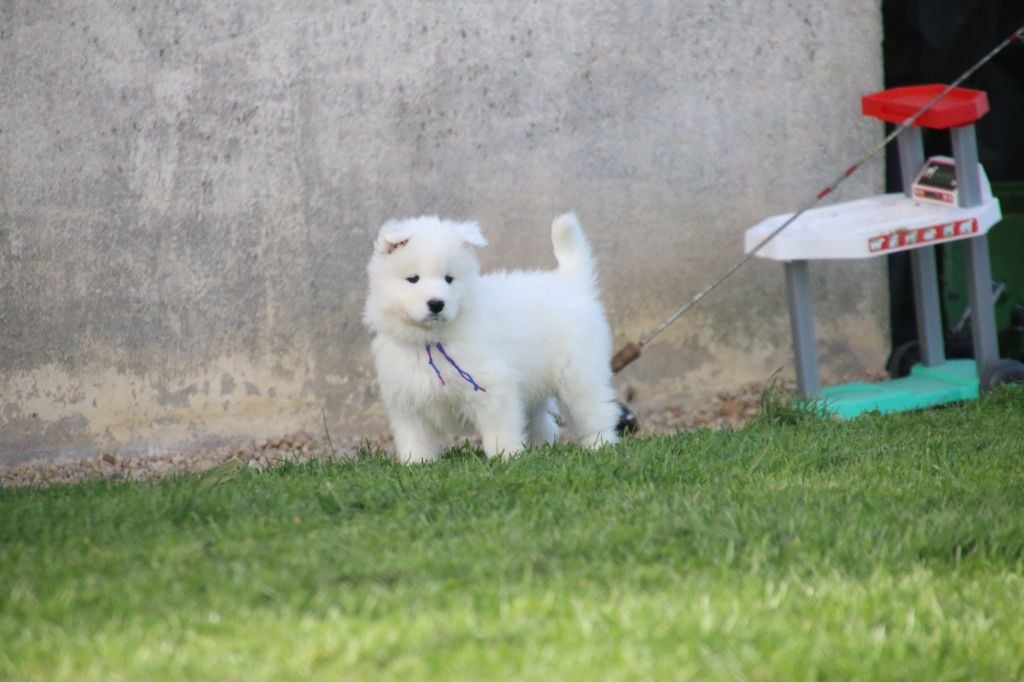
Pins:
x: 729, y: 408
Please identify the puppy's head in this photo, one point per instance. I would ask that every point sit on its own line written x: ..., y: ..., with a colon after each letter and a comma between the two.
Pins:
x: 421, y: 273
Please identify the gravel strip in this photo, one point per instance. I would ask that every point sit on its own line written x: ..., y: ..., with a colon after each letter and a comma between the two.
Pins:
x: 730, y: 409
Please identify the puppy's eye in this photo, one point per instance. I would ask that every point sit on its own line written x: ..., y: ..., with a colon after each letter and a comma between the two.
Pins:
x: 449, y: 279
x: 413, y: 279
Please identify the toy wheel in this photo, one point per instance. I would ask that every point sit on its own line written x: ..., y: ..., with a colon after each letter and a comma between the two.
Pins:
x: 1002, y: 372
x: 628, y: 423
x: 903, y: 357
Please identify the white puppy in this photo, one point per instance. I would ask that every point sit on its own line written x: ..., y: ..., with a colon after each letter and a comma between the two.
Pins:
x: 457, y: 351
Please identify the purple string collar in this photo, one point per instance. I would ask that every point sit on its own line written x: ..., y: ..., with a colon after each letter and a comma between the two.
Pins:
x: 462, y: 373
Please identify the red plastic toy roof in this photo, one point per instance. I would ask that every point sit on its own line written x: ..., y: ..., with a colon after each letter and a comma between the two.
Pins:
x: 960, y: 107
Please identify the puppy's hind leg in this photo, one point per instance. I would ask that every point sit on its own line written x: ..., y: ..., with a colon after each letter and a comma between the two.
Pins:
x: 543, y: 428
x: 592, y: 413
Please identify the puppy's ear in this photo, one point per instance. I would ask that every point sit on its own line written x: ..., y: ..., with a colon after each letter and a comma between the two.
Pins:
x: 392, y: 236
x: 471, y: 234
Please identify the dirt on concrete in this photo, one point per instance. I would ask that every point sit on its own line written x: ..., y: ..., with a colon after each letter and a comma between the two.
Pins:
x: 728, y: 410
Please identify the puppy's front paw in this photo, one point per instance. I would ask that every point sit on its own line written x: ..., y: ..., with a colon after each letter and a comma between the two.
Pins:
x: 414, y: 442
x: 506, y: 445
x: 412, y: 457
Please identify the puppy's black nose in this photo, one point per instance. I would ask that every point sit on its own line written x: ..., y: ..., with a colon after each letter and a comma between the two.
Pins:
x: 435, y: 305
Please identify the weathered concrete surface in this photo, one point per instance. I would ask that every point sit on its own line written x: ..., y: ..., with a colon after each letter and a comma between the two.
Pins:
x: 189, y: 192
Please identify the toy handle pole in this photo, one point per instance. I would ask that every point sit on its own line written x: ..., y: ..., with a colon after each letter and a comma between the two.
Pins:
x: 625, y: 356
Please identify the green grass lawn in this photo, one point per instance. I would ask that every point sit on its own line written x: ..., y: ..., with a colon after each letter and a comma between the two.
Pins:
x: 885, y: 548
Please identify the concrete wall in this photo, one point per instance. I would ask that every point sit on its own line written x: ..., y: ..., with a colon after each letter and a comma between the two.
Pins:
x: 189, y: 191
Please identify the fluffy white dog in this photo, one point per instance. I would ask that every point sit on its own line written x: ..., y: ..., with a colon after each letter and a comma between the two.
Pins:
x: 499, y: 354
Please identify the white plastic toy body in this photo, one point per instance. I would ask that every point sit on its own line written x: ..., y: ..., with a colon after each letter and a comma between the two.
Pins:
x: 874, y: 226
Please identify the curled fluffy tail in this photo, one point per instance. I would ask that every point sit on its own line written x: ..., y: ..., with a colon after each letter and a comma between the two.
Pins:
x: 572, y: 250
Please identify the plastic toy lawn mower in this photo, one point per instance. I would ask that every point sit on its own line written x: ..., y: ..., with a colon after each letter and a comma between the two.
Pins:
x: 945, y: 200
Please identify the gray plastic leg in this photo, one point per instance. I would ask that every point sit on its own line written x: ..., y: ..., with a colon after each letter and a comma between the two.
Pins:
x: 965, y: 153
x: 927, y: 307
x: 911, y: 156
x: 979, y: 269
x: 979, y: 291
x: 922, y: 262
x: 801, y: 320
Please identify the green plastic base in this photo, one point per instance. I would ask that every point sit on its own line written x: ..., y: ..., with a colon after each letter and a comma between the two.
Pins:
x: 949, y: 382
